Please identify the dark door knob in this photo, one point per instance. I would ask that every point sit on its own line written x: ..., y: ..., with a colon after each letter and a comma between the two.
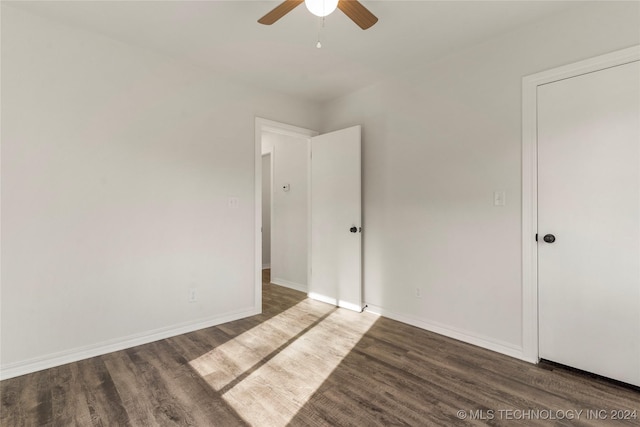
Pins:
x: 353, y: 229
x: 549, y: 238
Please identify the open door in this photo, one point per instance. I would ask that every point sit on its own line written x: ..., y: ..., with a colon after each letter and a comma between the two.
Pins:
x: 335, y: 274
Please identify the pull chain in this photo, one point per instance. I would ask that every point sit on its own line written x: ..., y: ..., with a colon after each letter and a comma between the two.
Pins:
x: 319, y: 45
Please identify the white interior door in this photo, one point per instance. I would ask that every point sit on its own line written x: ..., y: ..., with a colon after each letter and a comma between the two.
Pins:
x: 589, y: 200
x: 336, y: 265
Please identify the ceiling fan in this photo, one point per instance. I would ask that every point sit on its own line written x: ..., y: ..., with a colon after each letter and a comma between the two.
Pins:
x: 352, y: 8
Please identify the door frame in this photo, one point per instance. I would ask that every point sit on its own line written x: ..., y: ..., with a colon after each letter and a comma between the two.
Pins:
x: 530, y: 182
x: 266, y: 125
x: 269, y: 153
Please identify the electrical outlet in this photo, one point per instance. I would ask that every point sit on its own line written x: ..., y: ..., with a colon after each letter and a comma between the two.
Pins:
x: 418, y: 293
x: 193, y: 295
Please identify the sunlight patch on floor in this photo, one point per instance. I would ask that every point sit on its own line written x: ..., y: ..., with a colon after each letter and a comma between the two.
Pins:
x: 268, y: 373
x: 274, y: 393
x: 224, y: 364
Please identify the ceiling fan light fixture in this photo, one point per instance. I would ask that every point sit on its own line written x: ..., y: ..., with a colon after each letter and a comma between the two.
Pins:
x: 321, y: 7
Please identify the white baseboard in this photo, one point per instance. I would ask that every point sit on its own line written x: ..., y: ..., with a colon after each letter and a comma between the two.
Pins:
x: 288, y: 284
x: 350, y: 306
x: 73, y: 355
x: 323, y: 298
x: 455, y: 333
x: 265, y: 266
x: 336, y: 302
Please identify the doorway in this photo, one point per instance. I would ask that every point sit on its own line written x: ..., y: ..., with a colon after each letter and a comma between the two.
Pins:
x: 289, y: 199
x: 322, y: 181
x: 288, y: 220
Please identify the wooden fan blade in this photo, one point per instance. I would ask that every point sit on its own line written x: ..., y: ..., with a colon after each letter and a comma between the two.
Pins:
x: 357, y: 13
x: 279, y: 11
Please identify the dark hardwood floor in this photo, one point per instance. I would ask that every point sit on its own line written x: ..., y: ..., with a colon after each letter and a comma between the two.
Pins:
x: 305, y: 363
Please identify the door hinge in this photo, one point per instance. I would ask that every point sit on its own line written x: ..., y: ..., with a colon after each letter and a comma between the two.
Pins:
x: 536, y: 237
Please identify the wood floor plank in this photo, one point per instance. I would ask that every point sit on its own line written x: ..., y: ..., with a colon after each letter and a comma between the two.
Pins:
x: 69, y: 400
x: 103, y: 400
x: 304, y: 363
x: 15, y: 398
x: 126, y: 378
x: 167, y: 410
x: 190, y: 391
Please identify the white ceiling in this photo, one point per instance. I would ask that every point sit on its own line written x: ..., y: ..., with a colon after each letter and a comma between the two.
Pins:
x: 224, y: 36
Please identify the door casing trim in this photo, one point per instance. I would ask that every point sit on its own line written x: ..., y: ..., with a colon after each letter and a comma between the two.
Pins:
x: 530, y: 85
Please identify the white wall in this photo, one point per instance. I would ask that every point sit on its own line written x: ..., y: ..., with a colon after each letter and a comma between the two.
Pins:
x: 290, y: 209
x: 266, y: 210
x: 437, y: 142
x: 117, y: 165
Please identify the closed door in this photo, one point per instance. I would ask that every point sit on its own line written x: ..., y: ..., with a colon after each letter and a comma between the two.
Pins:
x: 336, y: 263
x: 589, y: 222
